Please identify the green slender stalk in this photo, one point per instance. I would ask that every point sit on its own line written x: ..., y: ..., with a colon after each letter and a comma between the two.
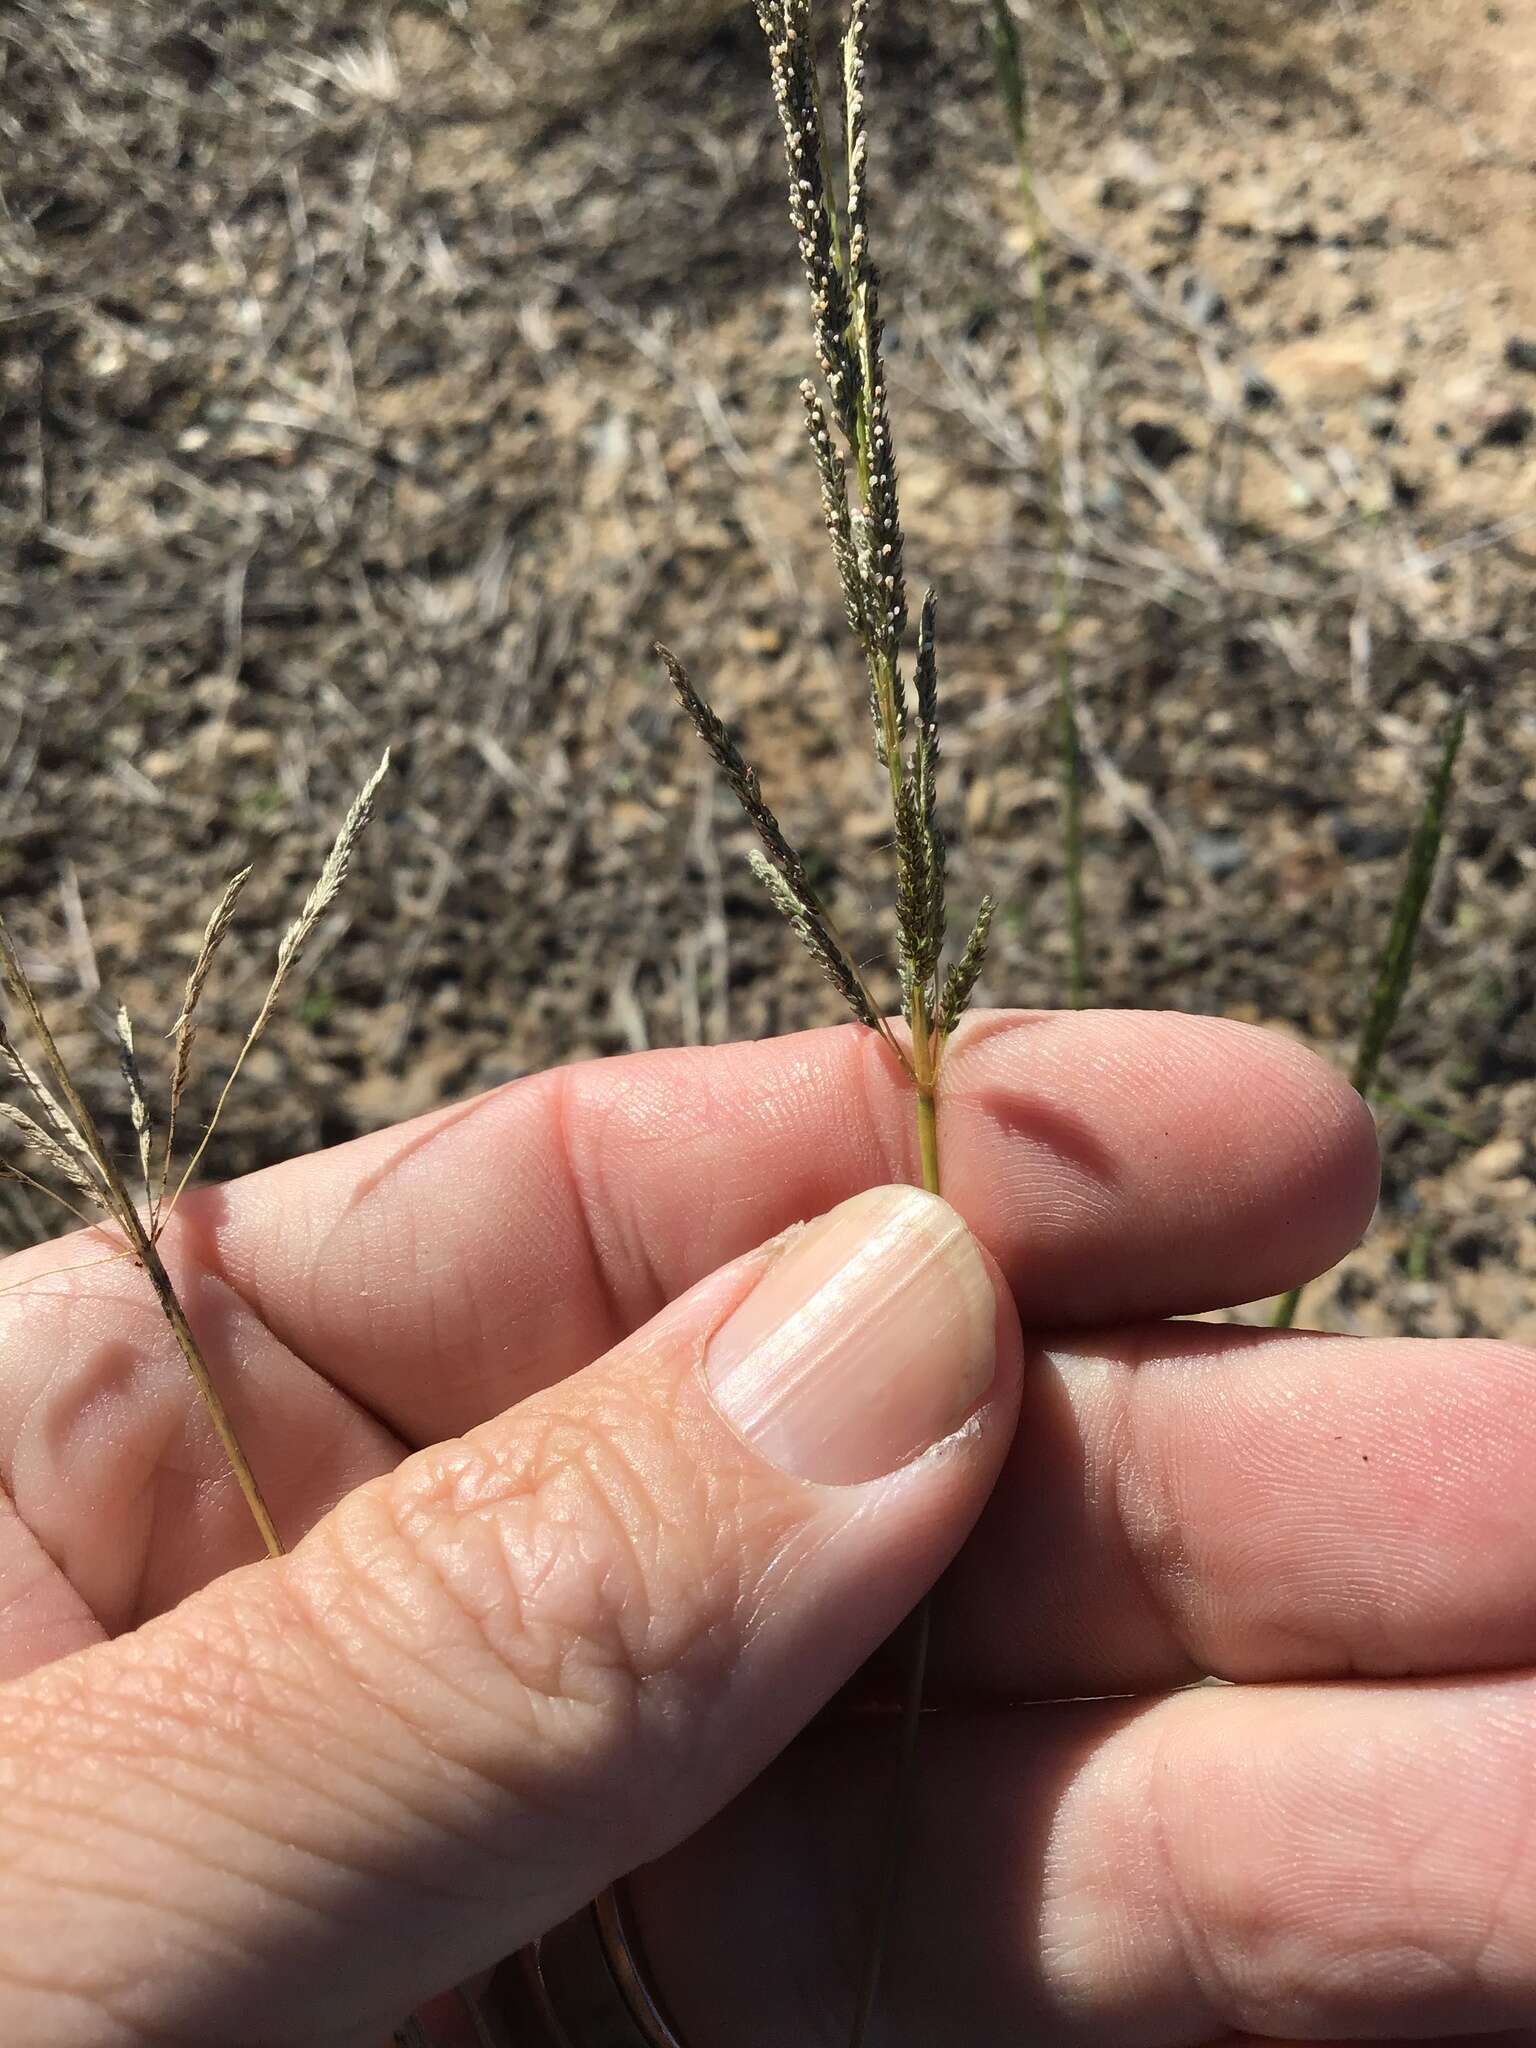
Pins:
x: 1396, y: 967
x: 1098, y: 31
x: 1013, y: 84
x: 904, y: 1769
x: 1416, y: 1113
x: 927, y: 1099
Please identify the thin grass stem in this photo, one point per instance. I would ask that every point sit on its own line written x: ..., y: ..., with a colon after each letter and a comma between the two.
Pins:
x: 14, y: 1172
x: 904, y: 1772
x: 58, y: 1272
x: 868, y: 549
x: 1396, y: 968
x: 1416, y: 1113
x: 224, y: 1428
x: 1014, y: 87
x: 898, y: 1827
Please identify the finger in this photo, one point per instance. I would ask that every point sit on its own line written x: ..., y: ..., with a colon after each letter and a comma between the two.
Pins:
x: 41, y: 1615
x: 120, y: 1486
x: 1116, y: 1165
x: 1181, y: 1500
x: 439, y: 1272
x: 512, y: 1668
x: 1328, y: 1863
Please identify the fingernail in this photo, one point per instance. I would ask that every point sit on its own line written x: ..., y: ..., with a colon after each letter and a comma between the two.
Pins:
x: 872, y: 1336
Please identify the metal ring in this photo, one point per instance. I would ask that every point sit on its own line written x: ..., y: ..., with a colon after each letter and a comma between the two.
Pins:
x: 585, y: 1985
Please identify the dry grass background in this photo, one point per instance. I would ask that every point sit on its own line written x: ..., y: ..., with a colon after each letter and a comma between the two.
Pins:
x: 401, y: 372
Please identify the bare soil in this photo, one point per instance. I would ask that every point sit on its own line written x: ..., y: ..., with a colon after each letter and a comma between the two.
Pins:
x: 373, y: 373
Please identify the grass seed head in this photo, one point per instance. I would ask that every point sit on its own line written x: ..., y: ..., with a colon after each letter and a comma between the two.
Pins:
x: 66, y: 1165
x: 792, y: 59
x: 741, y: 778
x: 138, y: 1107
x: 22, y: 1071
x: 334, y: 873
x: 807, y: 920
x: 960, y: 983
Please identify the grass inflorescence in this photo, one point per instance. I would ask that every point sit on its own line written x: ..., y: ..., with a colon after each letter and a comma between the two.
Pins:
x: 65, y: 1142
x: 854, y: 456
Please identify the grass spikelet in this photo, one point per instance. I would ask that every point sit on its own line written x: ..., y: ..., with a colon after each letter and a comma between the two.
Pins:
x: 919, y: 905
x: 138, y: 1108
x: 184, y: 1030
x: 22, y: 1071
x: 925, y: 763
x: 788, y: 28
x: 808, y: 920
x: 834, y: 504
x: 741, y: 778
x: 52, y: 1153
x: 960, y: 983
x: 327, y: 888
x: 926, y: 680
x: 1396, y: 968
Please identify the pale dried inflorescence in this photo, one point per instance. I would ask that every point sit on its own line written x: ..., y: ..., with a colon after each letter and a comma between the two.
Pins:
x: 327, y: 888
x: 64, y: 1139
x: 138, y: 1107
x: 184, y: 1031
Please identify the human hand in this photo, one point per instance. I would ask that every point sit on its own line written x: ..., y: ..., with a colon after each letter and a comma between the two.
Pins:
x: 547, y: 1647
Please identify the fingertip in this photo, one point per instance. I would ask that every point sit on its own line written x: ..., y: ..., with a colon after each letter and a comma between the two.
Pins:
x: 1001, y: 1403
x: 1317, y: 1138
x: 1140, y: 1164
x: 1346, y: 1134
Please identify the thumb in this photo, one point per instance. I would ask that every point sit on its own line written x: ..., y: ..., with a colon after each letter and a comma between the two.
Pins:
x: 521, y: 1664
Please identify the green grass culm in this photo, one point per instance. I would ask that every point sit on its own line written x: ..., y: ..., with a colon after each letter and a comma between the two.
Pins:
x: 1014, y: 87
x: 1396, y: 968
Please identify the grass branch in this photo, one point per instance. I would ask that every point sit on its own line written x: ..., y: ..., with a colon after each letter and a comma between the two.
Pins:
x: 898, y: 1827
x: 333, y: 874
